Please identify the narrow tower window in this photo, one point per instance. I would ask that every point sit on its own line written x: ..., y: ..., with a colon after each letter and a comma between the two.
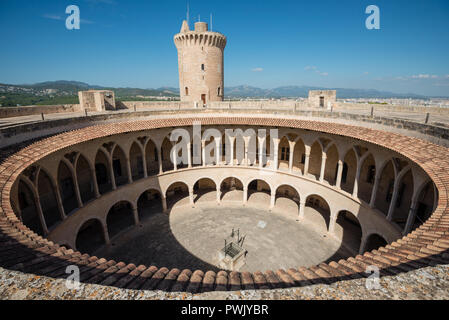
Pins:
x: 218, y: 91
x: 202, y: 67
x: 187, y: 91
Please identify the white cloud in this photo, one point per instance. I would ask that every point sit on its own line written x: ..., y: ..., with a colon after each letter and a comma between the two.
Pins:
x: 257, y: 70
x: 424, y: 76
x: 313, y: 68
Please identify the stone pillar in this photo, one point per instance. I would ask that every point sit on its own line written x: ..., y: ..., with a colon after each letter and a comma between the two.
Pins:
x: 77, y: 192
x: 276, y: 153
x: 323, y: 166
x: 59, y: 202
x: 272, y: 199
x: 174, y: 157
x: 144, y: 160
x: 232, y: 140
x: 106, y: 234
x: 218, y: 151
x: 245, y: 194
x: 261, y: 152
x: 355, y: 190
x: 135, y: 215
x: 306, y: 161
x: 164, y: 204
x: 411, y: 217
x: 189, y: 154
x: 41, y: 215
x: 95, y: 183
x: 245, y: 161
x: 112, y: 175
x: 128, y: 170
x: 203, y: 152
x: 302, y: 208
x: 218, y: 195
x: 332, y: 221
x: 372, y: 201
x: 191, y: 198
x: 339, y: 174
x: 291, y: 154
x: 159, y: 160
x: 393, y: 200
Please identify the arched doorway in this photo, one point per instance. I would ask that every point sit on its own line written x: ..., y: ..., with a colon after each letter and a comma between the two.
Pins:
x: 401, y: 209
x: 102, y: 171
x: 177, y: 194
x: 28, y: 210
x: 331, y: 165
x: 231, y: 189
x: 287, y: 200
x: 67, y: 188
x: 348, y: 229
x: 119, y: 166
x: 90, y: 236
x: 367, y: 177
x: 151, y: 158
x: 136, y: 161
x: 167, y: 164
x: 315, y: 160
x: 85, y: 180
x: 348, y: 174
x: 149, y: 203
x: 47, y: 199
x: 120, y: 217
x: 259, y: 193
x: 204, y: 190
x: 317, y: 211
x: 385, y: 189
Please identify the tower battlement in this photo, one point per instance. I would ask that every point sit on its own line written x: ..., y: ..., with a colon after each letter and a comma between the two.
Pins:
x: 200, y: 61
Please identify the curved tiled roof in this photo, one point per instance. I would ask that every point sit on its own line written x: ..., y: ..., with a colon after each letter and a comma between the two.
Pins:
x: 23, y: 250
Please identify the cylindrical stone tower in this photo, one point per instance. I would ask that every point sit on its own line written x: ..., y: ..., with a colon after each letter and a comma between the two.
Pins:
x: 200, y: 60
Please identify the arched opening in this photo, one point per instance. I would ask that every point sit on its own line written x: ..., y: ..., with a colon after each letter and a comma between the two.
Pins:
x: 366, y: 179
x: 119, y: 218
x: 401, y: 209
x: 90, y: 236
x: 209, y: 151
x: 349, y: 230
x: 348, y: 174
x: 177, y: 195
x: 119, y: 164
x: 85, y: 179
x: 331, y: 164
x: 149, y: 203
x: 231, y: 189
x: 167, y: 164
x: 253, y: 150
x: 259, y: 193
x: 102, y: 171
x: 67, y: 188
x: 287, y: 200
x: 283, y: 154
x: 425, y: 205
x: 151, y: 158
x: 204, y: 189
x: 28, y: 210
x: 299, y: 156
x: 47, y: 199
x: 195, y: 151
x: 315, y: 160
x: 136, y: 161
x: 385, y: 189
x: 239, y: 150
x: 318, y: 212
x: 374, y: 242
x: 266, y: 154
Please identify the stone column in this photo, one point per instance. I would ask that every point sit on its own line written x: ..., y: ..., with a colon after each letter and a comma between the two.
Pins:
x: 189, y: 154
x: 306, y: 161
x: 191, y: 198
x: 291, y: 154
x: 232, y: 140
x: 332, y: 221
x: 203, y: 152
x: 164, y: 204
x: 372, y: 201
x: 77, y: 192
x: 261, y: 152
x: 218, y: 195
x: 276, y: 153
x: 135, y: 215
x: 112, y: 175
x: 272, y: 199
x: 411, y: 217
x: 41, y: 215
x: 302, y: 208
x: 393, y: 200
x: 159, y: 160
x: 95, y: 183
x: 107, y: 240
x: 128, y: 170
x: 218, y: 151
x: 323, y: 166
x: 339, y: 174
x: 59, y: 202
x: 245, y: 194
x: 174, y: 157
x: 355, y: 190
x: 144, y: 160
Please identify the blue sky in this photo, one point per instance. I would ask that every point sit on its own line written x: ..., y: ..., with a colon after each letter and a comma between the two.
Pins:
x: 270, y: 43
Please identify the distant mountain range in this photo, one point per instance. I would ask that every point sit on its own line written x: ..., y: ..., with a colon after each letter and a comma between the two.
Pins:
x: 64, y: 87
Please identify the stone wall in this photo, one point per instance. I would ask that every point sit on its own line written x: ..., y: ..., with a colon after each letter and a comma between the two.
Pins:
x: 9, y: 112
